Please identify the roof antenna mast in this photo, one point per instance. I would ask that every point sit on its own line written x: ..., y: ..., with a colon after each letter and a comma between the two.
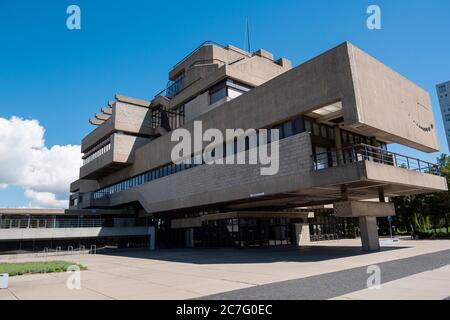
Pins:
x: 248, y: 35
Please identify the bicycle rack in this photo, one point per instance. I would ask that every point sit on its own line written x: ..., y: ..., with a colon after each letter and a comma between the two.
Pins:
x: 82, y: 249
x: 69, y: 249
x: 93, y: 249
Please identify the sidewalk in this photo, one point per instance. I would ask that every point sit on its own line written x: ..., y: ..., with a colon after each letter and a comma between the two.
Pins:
x: 429, y: 285
x: 196, y: 273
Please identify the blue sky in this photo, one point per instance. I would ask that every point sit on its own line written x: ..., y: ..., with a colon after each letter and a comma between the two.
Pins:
x: 62, y: 77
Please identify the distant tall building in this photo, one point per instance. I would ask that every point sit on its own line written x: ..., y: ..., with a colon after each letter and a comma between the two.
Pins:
x: 443, y: 91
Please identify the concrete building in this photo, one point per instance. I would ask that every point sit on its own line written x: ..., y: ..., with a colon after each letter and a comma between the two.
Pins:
x: 29, y: 230
x: 336, y: 115
x: 443, y: 91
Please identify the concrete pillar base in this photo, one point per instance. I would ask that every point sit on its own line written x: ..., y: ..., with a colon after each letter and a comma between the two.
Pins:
x: 369, y: 233
x: 152, y: 240
x: 189, y: 237
x: 302, y: 234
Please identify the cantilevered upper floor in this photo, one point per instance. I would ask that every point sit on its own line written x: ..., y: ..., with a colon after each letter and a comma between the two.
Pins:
x: 327, y: 109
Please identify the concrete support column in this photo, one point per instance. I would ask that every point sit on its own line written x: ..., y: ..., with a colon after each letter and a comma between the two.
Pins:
x: 381, y: 196
x: 189, y: 237
x: 152, y: 238
x: 369, y: 233
x: 302, y: 234
x: 344, y: 193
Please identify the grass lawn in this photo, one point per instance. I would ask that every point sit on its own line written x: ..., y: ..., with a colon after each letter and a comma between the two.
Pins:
x: 17, y: 269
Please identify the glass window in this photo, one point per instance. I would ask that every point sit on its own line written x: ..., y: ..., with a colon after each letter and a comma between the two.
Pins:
x: 298, y: 126
x: 323, y: 131
x: 233, y: 93
x: 280, y: 129
x: 287, y: 129
x: 218, y: 95
x: 269, y: 137
x: 344, y: 136
x: 316, y: 129
x: 351, y: 138
x: 308, y: 126
x: 331, y: 133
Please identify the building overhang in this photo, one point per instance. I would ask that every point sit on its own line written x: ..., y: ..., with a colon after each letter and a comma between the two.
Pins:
x: 31, y: 212
x: 182, y: 223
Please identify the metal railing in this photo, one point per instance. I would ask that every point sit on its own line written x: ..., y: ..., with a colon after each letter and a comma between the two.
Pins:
x: 175, y: 87
x: 50, y: 223
x: 168, y: 119
x: 364, y: 152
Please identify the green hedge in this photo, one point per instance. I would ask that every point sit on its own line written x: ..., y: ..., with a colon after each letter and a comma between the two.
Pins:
x: 17, y: 269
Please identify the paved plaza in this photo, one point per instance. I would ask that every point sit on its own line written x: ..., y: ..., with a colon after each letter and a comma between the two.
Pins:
x: 325, y: 270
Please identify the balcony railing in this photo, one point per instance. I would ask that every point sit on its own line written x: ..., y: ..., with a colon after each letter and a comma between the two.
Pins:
x: 175, y: 87
x: 168, y: 119
x: 172, y: 88
x: 98, y: 153
x: 364, y: 152
x: 50, y: 223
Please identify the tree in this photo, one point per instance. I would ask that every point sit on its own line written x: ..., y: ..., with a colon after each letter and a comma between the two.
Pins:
x: 420, y: 213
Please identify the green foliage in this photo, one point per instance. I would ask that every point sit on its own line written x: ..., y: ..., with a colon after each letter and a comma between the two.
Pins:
x: 17, y: 269
x: 423, y: 213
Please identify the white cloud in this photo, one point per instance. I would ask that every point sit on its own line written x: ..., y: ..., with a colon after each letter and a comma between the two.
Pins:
x: 25, y: 161
x: 44, y: 199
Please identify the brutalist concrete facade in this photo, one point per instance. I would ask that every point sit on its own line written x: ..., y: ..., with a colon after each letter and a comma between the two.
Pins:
x: 337, y: 113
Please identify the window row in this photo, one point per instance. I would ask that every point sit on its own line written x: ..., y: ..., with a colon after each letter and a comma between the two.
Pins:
x: 287, y: 129
x: 97, y: 153
x: 321, y: 130
x: 227, y: 88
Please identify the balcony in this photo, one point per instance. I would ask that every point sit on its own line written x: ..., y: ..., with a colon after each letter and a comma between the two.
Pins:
x: 364, y: 152
x: 364, y: 172
x: 112, y: 154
